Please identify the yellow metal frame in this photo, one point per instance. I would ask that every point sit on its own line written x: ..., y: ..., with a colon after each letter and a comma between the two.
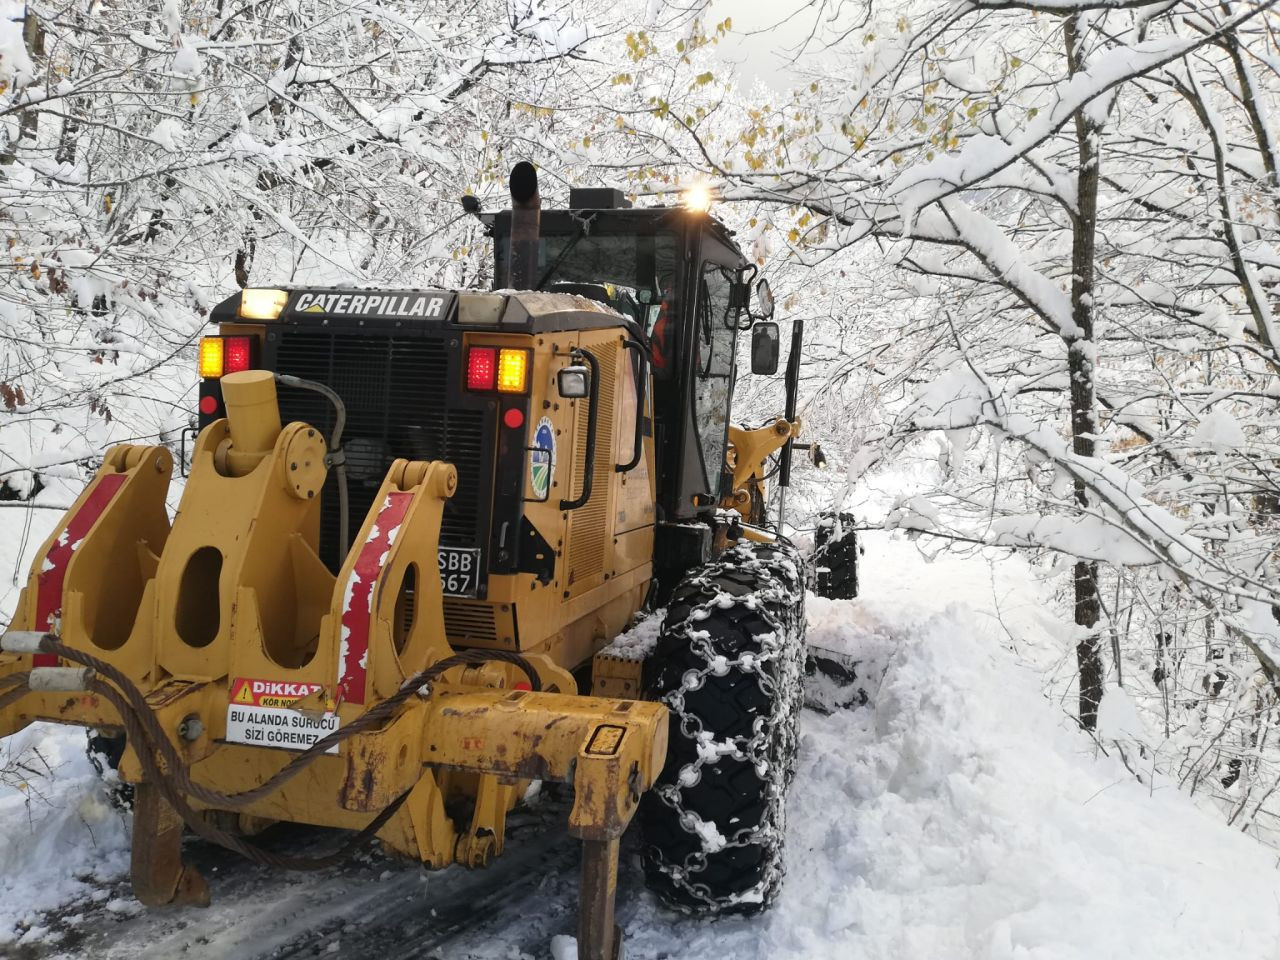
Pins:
x: 746, y: 456
x: 235, y: 589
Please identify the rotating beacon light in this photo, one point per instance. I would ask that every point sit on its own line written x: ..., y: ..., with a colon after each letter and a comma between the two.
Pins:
x: 697, y: 198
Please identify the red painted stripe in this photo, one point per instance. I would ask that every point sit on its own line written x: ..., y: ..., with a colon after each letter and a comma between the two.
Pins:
x: 51, y: 578
x: 357, y: 616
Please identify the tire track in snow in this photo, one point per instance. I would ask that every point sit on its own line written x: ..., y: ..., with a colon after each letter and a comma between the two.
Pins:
x: 374, y: 906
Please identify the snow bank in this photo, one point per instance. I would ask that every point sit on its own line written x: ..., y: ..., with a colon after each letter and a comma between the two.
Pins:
x: 62, y: 840
x: 960, y: 815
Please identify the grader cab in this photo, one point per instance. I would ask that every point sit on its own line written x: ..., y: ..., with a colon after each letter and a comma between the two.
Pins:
x: 397, y: 589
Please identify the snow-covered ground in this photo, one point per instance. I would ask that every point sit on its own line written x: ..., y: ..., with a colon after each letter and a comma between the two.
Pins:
x: 958, y: 815
x: 61, y: 840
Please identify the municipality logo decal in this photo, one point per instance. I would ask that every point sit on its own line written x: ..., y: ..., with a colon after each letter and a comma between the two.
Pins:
x: 542, y: 459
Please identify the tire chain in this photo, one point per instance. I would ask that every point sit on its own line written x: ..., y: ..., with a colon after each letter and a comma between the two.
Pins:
x: 835, y: 557
x: 775, y: 574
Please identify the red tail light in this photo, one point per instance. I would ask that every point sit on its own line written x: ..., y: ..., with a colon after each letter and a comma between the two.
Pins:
x: 482, y: 368
x: 235, y: 355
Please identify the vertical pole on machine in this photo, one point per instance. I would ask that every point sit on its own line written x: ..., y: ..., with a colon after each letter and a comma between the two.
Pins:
x: 792, y: 384
x: 598, y: 937
x: 158, y: 874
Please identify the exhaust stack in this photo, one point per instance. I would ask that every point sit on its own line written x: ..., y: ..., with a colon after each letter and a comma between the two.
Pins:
x: 526, y: 216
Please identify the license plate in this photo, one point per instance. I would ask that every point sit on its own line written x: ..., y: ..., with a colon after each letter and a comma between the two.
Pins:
x: 459, y: 570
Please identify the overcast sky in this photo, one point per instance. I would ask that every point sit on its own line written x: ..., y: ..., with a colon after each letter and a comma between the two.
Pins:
x: 763, y: 36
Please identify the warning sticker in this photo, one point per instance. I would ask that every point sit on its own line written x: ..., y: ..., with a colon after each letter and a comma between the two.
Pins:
x: 259, y: 715
x: 270, y: 693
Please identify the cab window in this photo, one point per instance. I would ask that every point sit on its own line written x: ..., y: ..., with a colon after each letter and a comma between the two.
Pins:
x: 715, y: 337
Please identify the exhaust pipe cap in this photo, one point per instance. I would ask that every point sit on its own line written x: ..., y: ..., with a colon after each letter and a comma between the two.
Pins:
x: 523, y: 183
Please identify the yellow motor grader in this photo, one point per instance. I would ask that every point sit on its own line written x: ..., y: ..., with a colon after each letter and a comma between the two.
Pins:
x: 398, y: 586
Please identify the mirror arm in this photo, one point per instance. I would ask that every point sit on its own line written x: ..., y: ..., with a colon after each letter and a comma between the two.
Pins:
x: 744, y: 287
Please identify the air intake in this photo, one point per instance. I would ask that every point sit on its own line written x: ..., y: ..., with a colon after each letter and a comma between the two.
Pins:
x: 396, y: 392
x: 597, y: 198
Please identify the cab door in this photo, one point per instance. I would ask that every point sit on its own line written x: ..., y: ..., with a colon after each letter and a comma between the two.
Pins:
x: 715, y: 338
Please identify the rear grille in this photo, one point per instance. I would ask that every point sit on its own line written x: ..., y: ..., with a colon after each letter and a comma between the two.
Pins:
x: 467, y: 622
x: 396, y: 392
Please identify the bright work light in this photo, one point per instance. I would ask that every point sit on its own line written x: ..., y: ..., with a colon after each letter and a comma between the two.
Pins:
x: 262, y: 304
x: 573, y: 382
x: 697, y: 198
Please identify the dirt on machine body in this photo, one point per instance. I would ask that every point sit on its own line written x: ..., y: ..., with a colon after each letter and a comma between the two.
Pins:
x: 414, y: 523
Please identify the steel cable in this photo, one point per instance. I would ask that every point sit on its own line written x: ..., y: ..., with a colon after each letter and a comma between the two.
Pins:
x: 172, y: 776
x: 155, y: 738
x: 200, y: 825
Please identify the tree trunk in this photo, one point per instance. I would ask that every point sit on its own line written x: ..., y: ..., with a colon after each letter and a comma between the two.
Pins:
x: 28, y: 119
x: 1081, y: 361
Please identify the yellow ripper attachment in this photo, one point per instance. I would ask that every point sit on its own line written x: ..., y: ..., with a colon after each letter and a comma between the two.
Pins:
x: 253, y: 682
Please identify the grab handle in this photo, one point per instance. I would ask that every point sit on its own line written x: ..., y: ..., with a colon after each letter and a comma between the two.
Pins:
x: 589, y: 462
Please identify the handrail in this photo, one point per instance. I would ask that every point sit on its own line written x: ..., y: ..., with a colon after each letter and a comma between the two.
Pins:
x: 642, y: 380
x: 593, y: 395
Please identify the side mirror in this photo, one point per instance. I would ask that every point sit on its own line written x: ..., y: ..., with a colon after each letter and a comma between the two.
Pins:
x: 764, y: 299
x: 764, y: 348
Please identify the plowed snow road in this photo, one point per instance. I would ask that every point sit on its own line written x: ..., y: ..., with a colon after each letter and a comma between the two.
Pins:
x: 374, y: 907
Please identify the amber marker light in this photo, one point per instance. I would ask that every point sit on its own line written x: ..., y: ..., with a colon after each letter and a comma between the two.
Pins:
x: 210, y: 357
x: 513, y: 371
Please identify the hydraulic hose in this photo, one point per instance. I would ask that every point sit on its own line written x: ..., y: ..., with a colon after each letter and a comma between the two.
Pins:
x: 336, y: 458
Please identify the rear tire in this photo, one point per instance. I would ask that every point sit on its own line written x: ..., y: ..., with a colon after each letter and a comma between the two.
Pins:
x: 728, y: 664
x: 835, y: 557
